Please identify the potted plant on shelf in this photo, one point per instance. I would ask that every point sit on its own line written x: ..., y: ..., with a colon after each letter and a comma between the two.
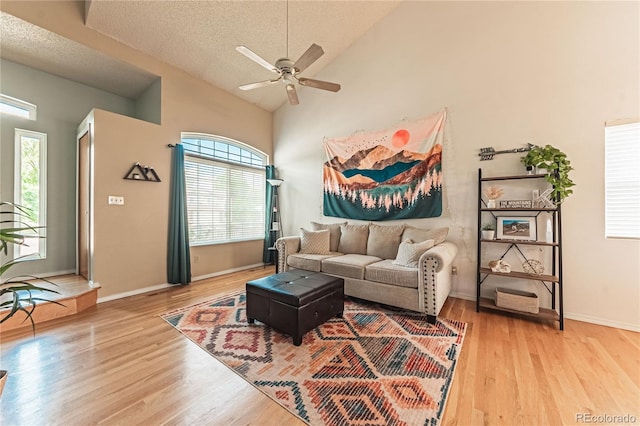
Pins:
x: 17, y: 293
x: 488, y: 231
x: 557, y: 166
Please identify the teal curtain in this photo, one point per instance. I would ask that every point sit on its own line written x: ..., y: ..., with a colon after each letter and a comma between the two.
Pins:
x: 178, y: 256
x: 268, y: 236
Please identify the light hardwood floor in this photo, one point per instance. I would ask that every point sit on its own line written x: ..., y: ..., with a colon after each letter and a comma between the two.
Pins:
x: 119, y: 363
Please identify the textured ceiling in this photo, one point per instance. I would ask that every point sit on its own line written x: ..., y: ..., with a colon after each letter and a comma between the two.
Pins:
x: 29, y: 45
x: 200, y: 36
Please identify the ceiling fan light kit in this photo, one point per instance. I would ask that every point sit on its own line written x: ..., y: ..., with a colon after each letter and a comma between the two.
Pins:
x: 288, y: 70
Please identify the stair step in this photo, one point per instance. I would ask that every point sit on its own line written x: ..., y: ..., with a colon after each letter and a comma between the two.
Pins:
x: 75, y: 294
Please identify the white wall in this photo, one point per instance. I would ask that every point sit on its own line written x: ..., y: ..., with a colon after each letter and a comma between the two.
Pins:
x: 508, y: 73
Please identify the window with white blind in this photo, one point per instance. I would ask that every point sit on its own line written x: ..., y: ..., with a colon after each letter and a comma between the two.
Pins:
x: 225, y: 183
x: 622, y: 180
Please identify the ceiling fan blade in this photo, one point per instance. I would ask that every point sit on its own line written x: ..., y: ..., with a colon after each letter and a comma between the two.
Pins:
x: 257, y: 84
x: 319, y: 84
x: 292, y: 94
x: 256, y: 58
x: 310, y: 56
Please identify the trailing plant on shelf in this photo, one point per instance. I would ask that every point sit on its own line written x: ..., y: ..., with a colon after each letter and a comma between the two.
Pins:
x: 488, y: 227
x: 18, y: 293
x: 557, y: 166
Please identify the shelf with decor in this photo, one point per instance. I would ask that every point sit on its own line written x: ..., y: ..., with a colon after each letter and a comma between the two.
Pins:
x: 532, y: 243
x: 510, y: 227
x: 522, y: 275
x: 542, y: 209
x: 544, y: 314
x: 275, y: 221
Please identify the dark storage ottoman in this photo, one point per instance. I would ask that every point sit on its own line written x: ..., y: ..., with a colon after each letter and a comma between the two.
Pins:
x: 295, y: 302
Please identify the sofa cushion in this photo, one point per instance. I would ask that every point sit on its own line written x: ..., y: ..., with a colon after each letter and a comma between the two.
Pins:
x: 409, y: 252
x: 348, y: 265
x: 314, y: 242
x: 334, y: 231
x: 388, y: 273
x: 308, y: 262
x: 383, y: 241
x: 418, y: 235
x: 353, y: 239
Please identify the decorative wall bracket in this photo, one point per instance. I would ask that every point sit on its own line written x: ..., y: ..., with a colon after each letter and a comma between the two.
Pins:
x: 143, y: 173
x: 489, y: 152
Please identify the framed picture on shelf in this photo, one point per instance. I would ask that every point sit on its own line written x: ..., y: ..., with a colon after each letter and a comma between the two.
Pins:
x: 521, y: 228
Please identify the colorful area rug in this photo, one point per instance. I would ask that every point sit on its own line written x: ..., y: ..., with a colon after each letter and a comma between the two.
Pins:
x: 374, y: 366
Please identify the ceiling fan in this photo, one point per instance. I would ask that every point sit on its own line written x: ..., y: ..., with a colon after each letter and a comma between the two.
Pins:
x: 288, y: 70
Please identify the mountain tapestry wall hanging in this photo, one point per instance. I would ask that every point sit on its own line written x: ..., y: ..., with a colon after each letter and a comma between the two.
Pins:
x: 386, y: 175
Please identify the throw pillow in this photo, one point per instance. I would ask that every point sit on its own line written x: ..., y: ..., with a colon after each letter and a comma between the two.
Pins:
x: 353, y: 239
x: 314, y: 242
x: 334, y: 231
x: 409, y: 252
x: 383, y: 241
x: 438, y: 235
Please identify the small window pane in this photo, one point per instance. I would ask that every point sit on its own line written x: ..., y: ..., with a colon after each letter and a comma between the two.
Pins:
x: 17, y: 107
x: 30, y: 188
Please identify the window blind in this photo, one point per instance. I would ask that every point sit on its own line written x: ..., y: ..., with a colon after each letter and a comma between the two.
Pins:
x: 622, y: 181
x: 225, y: 202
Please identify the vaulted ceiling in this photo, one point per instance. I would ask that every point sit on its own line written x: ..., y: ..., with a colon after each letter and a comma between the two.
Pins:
x: 200, y: 37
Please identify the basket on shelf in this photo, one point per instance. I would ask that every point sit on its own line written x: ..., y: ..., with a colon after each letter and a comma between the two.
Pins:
x: 517, y: 300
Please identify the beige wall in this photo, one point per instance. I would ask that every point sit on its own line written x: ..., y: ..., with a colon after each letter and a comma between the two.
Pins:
x: 131, y: 240
x: 508, y: 73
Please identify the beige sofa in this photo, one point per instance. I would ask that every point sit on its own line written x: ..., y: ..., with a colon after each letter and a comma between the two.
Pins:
x: 397, y: 265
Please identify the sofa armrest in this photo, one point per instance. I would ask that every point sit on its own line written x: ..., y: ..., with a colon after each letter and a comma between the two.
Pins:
x: 434, y: 279
x: 286, y: 246
x: 443, y: 253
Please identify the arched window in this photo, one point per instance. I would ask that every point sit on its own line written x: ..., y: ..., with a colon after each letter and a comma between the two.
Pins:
x: 225, y: 182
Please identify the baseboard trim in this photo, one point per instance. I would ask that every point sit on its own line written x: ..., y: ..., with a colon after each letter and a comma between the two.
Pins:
x: 571, y: 316
x: 47, y: 274
x: 604, y: 322
x: 463, y: 296
x: 57, y: 273
x: 226, y: 271
x: 133, y: 292
x: 166, y: 285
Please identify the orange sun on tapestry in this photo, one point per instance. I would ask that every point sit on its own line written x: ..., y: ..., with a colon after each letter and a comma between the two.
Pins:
x: 388, y: 174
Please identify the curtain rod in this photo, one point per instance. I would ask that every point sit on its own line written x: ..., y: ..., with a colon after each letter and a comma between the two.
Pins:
x: 171, y: 145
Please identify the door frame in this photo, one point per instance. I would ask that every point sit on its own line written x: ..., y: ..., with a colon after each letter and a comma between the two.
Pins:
x: 86, y: 128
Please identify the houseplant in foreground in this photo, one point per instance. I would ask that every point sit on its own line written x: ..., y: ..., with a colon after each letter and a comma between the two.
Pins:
x: 17, y: 293
x: 557, y: 166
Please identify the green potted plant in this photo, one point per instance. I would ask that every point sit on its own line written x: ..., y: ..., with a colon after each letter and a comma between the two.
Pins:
x: 557, y: 166
x: 488, y: 231
x: 17, y: 293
